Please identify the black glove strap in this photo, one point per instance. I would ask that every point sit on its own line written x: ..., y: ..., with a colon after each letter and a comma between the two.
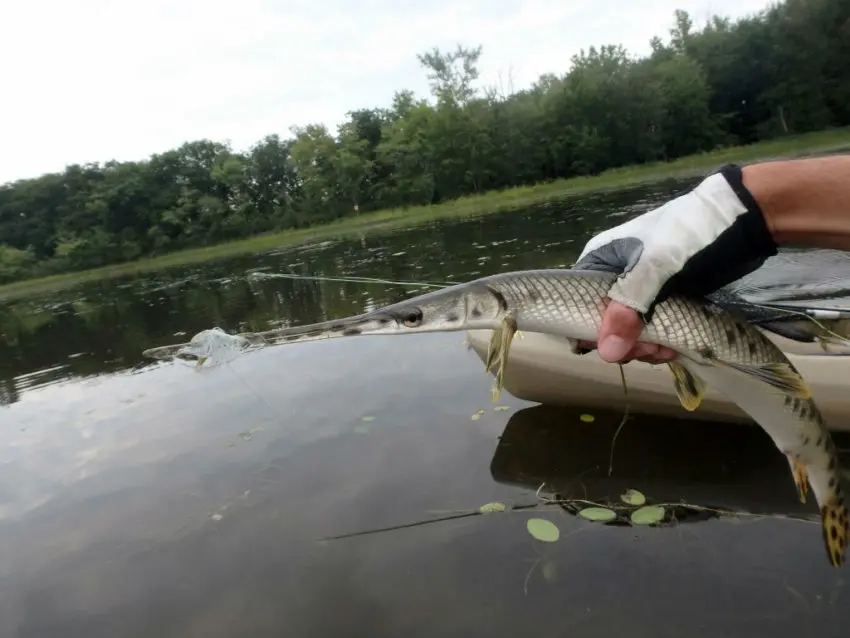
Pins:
x: 739, y: 250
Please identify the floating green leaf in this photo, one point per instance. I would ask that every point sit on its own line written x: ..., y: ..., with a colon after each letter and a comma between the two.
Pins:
x: 367, y: 419
x: 602, y: 514
x: 587, y: 418
x: 492, y: 507
x: 475, y: 416
x: 543, y: 530
x: 247, y: 435
x: 501, y: 408
x: 648, y: 515
x: 632, y: 497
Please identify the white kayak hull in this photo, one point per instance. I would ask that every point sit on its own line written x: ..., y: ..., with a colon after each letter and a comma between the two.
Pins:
x: 542, y: 369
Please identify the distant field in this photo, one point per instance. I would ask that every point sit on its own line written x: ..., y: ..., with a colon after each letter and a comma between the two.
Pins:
x: 471, y: 206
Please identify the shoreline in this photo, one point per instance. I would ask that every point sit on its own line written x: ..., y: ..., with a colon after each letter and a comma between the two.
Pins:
x: 836, y: 140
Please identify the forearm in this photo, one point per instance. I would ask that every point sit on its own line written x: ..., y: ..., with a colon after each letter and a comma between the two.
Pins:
x: 804, y: 201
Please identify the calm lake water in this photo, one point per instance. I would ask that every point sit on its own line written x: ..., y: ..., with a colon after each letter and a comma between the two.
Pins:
x: 146, y: 499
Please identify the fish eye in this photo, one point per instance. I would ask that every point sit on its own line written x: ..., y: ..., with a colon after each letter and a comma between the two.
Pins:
x: 412, y: 317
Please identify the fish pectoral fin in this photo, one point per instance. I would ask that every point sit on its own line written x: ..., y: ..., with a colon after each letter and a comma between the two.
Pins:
x: 835, y: 523
x: 780, y: 375
x: 493, y: 351
x: 689, y: 387
x: 801, y: 478
x: 497, y: 357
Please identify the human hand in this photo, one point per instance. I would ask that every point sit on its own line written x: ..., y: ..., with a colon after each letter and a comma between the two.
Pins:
x: 693, y: 244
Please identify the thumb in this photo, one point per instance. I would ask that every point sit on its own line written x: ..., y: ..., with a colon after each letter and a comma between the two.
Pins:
x: 621, y: 327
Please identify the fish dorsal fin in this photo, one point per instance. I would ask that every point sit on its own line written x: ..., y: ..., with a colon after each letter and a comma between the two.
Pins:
x: 689, y: 387
x: 779, y: 374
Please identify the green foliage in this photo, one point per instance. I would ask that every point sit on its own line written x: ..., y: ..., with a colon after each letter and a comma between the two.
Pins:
x: 781, y: 71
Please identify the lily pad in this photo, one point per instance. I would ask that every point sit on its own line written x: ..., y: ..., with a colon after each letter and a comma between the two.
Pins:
x: 492, y: 507
x: 601, y: 514
x: 632, y: 497
x: 587, y: 418
x: 543, y: 530
x: 648, y: 515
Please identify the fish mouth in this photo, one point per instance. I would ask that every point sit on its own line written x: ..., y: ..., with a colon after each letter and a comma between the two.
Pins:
x: 213, y: 343
x: 371, y: 323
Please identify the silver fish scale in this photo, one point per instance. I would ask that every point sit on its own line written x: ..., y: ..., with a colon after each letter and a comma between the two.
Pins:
x: 572, y: 299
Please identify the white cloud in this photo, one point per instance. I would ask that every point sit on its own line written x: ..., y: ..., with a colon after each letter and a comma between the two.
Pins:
x: 98, y: 79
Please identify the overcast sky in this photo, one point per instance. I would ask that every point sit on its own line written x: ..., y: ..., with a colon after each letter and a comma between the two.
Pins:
x: 94, y: 80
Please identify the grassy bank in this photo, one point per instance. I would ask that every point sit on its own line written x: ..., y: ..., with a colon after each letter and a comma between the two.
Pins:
x: 494, y: 201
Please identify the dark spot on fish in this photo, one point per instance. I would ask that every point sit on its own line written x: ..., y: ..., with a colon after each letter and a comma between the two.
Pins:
x: 831, y: 482
x: 384, y: 321
x: 533, y: 295
x: 804, y: 409
x: 806, y: 440
x: 313, y: 333
x: 351, y: 332
x: 475, y: 312
x: 820, y: 441
x: 500, y: 299
x: 788, y: 400
x: 292, y: 337
x: 452, y: 316
x: 730, y: 336
x: 706, y: 352
x: 337, y: 327
x: 752, y: 347
x: 833, y: 532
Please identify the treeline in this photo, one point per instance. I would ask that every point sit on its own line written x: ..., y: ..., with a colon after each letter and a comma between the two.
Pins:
x: 783, y: 70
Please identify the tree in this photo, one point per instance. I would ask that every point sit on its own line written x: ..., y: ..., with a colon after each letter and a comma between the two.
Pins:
x: 780, y: 70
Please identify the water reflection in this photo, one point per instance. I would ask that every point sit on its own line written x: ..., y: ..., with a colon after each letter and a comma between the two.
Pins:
x: 733, y: 468
x: 102, y: 327
x: 154, y: 517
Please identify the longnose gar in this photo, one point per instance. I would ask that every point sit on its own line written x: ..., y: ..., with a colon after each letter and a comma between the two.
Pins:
x: 715, y: 348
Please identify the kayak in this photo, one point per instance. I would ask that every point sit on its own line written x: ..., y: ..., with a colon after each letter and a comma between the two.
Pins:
x: 542, y: 368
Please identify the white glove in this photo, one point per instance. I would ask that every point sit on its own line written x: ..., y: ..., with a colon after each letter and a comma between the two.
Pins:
x: 693, y: 244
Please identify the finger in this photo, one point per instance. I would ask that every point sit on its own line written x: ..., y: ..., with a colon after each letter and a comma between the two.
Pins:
x: 621, y: 327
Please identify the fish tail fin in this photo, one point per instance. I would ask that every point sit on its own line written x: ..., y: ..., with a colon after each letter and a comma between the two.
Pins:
x: 835, y: 523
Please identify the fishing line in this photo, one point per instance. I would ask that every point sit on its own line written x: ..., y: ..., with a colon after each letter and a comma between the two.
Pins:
x: 811, y: 315
x: 256, y: 394
x: 362, y: 280
x: 622, y: 420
